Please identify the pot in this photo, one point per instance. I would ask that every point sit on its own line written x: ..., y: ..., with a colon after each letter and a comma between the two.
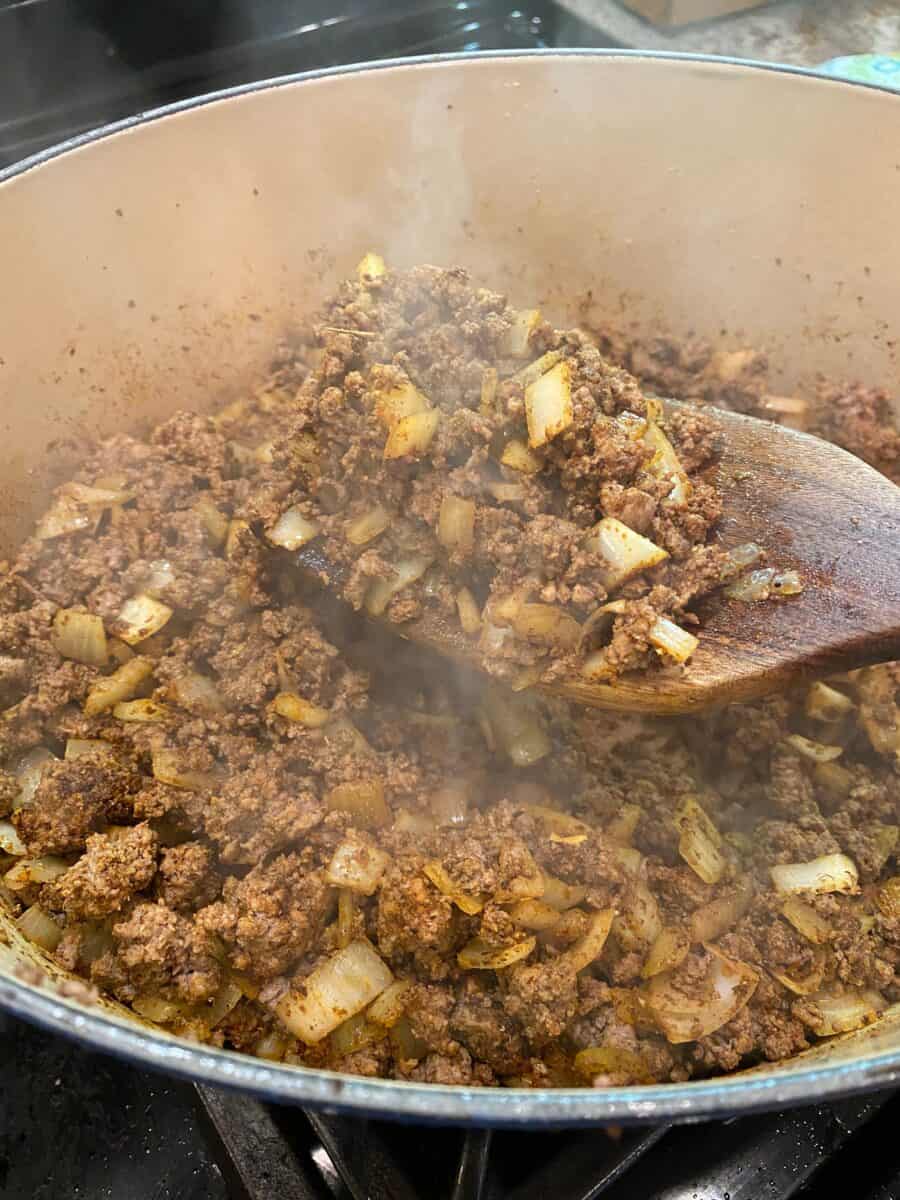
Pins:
x: 152, y: 266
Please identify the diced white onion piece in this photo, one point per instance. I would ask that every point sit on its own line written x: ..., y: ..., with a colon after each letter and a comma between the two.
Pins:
x: 449, y: 805
x: 33, y: 872
x: 292, y: 529
x: 30, y: 768
x: 346, y: 917
x: 816, y: 752
x: 479, y: 955
x: 596, y: 667
x: 711, y: 920
x: 787, y: 583
x: 548, y: 405
x: 807, y: 921
x: 628, y: 858
x: 387, y: 1009
x: 539, y: 367
x: 591, y: 943
x: 168, y: 767
x: 197, y: 693
x: 10, y: 842
x: 121, y: 685
x: 830, y: 873
x: 412, y: 435
x: 357, y: 865
x: 363, y: 799
x: 844, y: 1012
x: 603, y: 1061
x: 302, y: 712
x: 557, y: 823
x: 560, y: 895
x: 535, y: 915
x: 835, y: 779
x: 669, y: 950
x: 517, y: 728
x: 518, y: 334
x: 370, y: 267
x: 456, y: 524
x: 789, y: 410
x: 84, y: 747
x: 226, y: 999
x: 402, y: 400
x: 75, y: 508
x: 671, y: 639
x: 146, y: 711
x: 337, y: 989
x: 686, y: 1016
x: 808, y: 982
x: 529, y: 885
x: 527, y: 677
x: 158, y: 1010
x: 436, y: 874
x: 623, y: 825
x: 139, y: 618
x: 700, y: 842
x: 518, y: 457
x: 405, y: 572
x: 548, y: 625
x: 40, y: 928
x: 506, y: 493
x: 665, y: 462
x: 626, y: 553
x: 752, y: 588
x: 729, y: 365
x: 367, y: 526
x: 213, y: 521
x: 469, y: 615
x: 160, y: 576
x: 417, y: 824
x: 270, y: 1047
x: 488, y: 389
x: 825, y: 703
x: 637, y: 923
x: 80, y: 637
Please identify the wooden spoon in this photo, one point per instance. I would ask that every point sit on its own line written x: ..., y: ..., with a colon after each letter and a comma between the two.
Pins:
x: 813, y: 507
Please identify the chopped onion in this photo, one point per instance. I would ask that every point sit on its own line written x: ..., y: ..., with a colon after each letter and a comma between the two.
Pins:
x: 367, y: 526
x: 548, y: 405
x: 817, y: 752
x: 405, y: 572
x: 830, y: 873
x: 355, y: 1034
x: 469, y: 615
x: 197, y: 693
x: 637, y: 923
x: 80, y: 637
x: 479, y: 955
x: 806, y: 920
x: 845, y: 1011
x: 270, y: 1047
x: 669, y: 950
x: 339, y: 988
x: 387, y: 1009
x: 517, y: 728
x: 548, y: 625
x: 147, y: 711
x: 449, y: 805
x: 519, y: 333
x: 666, y: 463
x: 711, y: 920
x: 528, y: 375
x: 213, y: 521
x: 402, y: 400
x: 31, y: 872
x: 535, y: 915
x: 357, y: 865
x: 10, y: 842
x: 30, y: 768
x: 787, y: 583
x: 416, y: 824
x: 77, y: 507
x: 835, y: 779
x: 292, y: 529
x: 412, y: 435
x: 700, y: 842
x: 363, y: 799
x: 556, y: 822
x: 626, y: 553
x: 405, y: 1045
x: 806, y: 984
x: 160, y: 576
x: 752, y: 588
x: 456, y: 524
x: 370, y: 268
x: 294, y: 708
x: 346, y: 915
x: 529, y: 885
x: 560, y: 895
x: 488, y: 390
x: 224, y: 1001
x: 628, y: 858
x: 517, y: 456
x: 121, y: 685
x: 612, y: 1060
x: 139, y: 618
x: 168, y: 767
x: 83, y: 747
x: 686, y: 1017
x: 791, y: 411
x: 437, y: 874
x: 623, y: 825
x: 506, y: 493
x: 729, y: 365
x: 825, y: 703
x: 671, y: 639
x: 40, y: 928
x: 590, y: 945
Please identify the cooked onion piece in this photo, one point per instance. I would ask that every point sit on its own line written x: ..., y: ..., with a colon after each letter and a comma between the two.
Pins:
x: 169, y: 767
x: 561, y: 824
x: 479, y: 955
x: 535, y: 915
x: 519, y: 333
x: 470, y: 905
x: 816, y: 752
x: 390, y: 1006
x: 363, y: 799
x: 669, y: 950
x: 299, y: 711
x: 627, y: 553
x: 825, y: 703
x: 612, y: 1060
x: 197, y: 693
x: 548, y: 625
x: 469, y: 616
x: 77, y: 507
x: 672, y: 640
x: 711, y: 920
x: 346, y: 914
x: 293, y: 529
x: 685, y: 1016
x: 548, y: 405
x: 28, y: 772
x: 829, y: 873
x: 382, y: 591
x: 40, y: 928
x: 214, y: 522
x: 456, y: 524
x: 10, y: 842
x: 488, y: 390
x: 700, y: 842
x: 371, y: 267
x: 517, y: 456
x: 842, y: 1012
x: 666, y: 463
x: 560, y: 895
x: 623, y: 825
x: 806, y: 983
x: 357, y: 865
x: 412, y: 435
x: 31, y: 872
x: 517, y: 728
x: 339, y: 988
x: 139, y: 618
x: 80, y: 637
x: 121, y: 685
x: 637, y: 922
x: 81, y: 747
x: 806, y: 920
x: 400, y: 400
x: 367, y: 526
x: 146, y: 711
x: 539, y: 367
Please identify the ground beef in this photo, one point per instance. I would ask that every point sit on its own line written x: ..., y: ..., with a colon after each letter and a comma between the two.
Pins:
x: 414, y: 921
x: 73, y: 800
x: 114, y: 867
x: 187, y: 876
x: 159, y: 952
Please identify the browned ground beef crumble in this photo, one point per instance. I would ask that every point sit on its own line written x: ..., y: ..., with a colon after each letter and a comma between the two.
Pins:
x: 562, y: 891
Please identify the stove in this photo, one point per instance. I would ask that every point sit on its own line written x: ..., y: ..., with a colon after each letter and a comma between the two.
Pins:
x: 77, y: 1124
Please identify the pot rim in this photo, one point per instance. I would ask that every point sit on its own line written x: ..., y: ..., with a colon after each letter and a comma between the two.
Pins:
x: 392, y: 1099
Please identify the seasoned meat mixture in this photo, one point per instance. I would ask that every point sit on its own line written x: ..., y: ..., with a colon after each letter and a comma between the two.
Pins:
x: 264, y: 821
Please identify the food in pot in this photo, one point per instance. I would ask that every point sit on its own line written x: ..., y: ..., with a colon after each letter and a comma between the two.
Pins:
x: 263, y: 821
